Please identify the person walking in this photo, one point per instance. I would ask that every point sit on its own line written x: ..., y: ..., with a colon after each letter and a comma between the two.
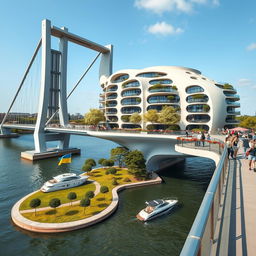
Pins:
x: 245, y: 144
x: 252, y: 155
x: 234, y: 144
x: 202, y: 138
x: 229, y: 147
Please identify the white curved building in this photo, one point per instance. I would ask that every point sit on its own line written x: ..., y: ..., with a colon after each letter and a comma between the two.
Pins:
x: 202, y: 102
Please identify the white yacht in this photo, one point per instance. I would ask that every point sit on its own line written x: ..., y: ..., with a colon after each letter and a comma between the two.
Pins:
x: 156, y: 208
x: 63, y: 181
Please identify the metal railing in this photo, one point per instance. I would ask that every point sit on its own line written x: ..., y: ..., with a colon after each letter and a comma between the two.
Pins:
x: 200, y: 237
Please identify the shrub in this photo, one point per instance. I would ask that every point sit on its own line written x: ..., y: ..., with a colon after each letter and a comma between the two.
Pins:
x: 112, y: 170
x: 114, y: 182
x: 72, y: 196
x: 90, y: 161
x: 86, y: 168
x: 54, y: 203
x: 34, y: 203
x: 126, y: 179
x: 107, y: 172
x: 85, y: 202
x: 101, y: 160
x: 89, y: 194
x: 107, y: 162
x: 104, y: 189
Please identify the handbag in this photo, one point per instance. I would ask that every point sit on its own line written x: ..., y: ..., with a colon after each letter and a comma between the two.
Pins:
x: 247, y: 153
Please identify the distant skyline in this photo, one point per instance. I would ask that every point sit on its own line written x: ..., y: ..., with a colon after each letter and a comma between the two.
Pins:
x: 214, y: 36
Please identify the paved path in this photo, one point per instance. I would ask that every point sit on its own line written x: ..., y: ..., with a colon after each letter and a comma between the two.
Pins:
x: 235, y: 233
x: 96, y: 192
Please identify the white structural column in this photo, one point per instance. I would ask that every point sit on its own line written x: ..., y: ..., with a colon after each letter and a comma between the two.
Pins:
x: 39, y: 135
x: 63, y: 112
x: 106, y: 65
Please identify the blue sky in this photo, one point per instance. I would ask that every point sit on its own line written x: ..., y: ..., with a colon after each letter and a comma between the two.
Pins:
x: 215, y: 36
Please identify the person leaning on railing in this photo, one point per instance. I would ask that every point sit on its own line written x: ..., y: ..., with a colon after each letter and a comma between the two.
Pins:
x: 229, y: 145
x: 252, y: 155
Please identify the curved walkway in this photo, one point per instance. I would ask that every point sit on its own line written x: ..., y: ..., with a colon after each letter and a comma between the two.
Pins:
x: 97, y: 191
x: 27, y: 224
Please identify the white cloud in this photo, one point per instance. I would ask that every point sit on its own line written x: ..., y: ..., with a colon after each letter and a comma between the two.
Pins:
x: 251, y: 47
x: 161, y: 6
x: 246, y: 82
x: 164, y: 29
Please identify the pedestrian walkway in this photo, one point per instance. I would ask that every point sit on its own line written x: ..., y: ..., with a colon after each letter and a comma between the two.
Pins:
x: 235, y: 233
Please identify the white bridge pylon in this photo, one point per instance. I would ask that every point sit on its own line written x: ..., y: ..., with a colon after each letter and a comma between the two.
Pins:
x: 53, y: 87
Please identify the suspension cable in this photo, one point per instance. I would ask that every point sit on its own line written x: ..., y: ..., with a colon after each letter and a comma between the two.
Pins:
x: 22, y: 82
x: 86, y: 71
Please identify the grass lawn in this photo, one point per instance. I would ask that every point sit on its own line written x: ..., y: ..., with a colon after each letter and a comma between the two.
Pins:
x: 72, y: 213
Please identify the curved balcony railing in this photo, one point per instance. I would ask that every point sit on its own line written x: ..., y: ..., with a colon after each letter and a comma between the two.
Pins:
x: 163, y: 99
x: 132, y: 92
x: 131, y: 101
x: 130, y: 110
x: 234, y: 96
x: 112, y: 89
x: 198, y: 108
x: 231, y: 120
x: 163, y: 89
x: 131, y: 84
x: 198, y: 118
x: 111, y: 111
x: 233, y: 103
x: 195, y: 98
x: 234, y: 112
x: 111, y: 97
x: 194, y: 89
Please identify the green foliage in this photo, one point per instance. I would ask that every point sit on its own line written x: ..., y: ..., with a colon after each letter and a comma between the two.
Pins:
x: 157, y: 86
x: 198, y: 96
x: 228, y: 86
x: 174, y: 87
x: 126, y: 179
x: 173, y: 127
x: 168, y: 115
x: 108, y: 162
x: 34, y: 203
x: 114, y: 182
x: 85, y: 202
x: 247, y: 121
x: 104, y: 189
x: 171, y: 97
x: 135, y: 162
x: 125, y: 118
x: 101, y: 160
x: 206, y: 108
x: 94, y: 116
x: 117, y: 154
x: 54, y: 203
x: 151, y: 116
x: 107, y: 172
x: 72, y: 196
x: 89, y: 194
x: 112, y: 170
x: 135, y: 118
x: 86, y: 168
x: 90, y: 161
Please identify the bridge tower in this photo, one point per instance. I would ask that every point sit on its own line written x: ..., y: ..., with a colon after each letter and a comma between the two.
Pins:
x: 53, y: 88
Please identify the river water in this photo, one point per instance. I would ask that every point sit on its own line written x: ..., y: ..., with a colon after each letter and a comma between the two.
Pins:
x: 121, y: 234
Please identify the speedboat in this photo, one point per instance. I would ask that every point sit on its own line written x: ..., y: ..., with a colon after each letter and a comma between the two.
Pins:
x: 156, y: 208
x: 63, y: 181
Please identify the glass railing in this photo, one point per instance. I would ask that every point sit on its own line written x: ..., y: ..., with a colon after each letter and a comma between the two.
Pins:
x: 110, y: 97
x: 233, y: 103
x: 232, y: 95
x: 112, y: 89
x: 162, y: 101
x: 162, y: 90
x: 234, y: 112
x: 197, y: 100
x: 131, y: 93
x: 230, y: 120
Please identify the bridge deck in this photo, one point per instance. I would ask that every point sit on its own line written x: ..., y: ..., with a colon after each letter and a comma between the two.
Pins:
x: 236, y: 229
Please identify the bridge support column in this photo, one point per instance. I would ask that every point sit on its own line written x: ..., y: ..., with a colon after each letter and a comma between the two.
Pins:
x: 53, y: 97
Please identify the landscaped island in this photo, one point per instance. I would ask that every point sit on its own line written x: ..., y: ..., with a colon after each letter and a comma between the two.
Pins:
x: 81, y: 206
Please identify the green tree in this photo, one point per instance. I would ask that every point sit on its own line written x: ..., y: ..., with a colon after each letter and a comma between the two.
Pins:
x: 135, y: 118
x: 94, y: 116
x: 85, y: 202
x: 135, y: 162
x: 101, y: 160
x: 89, y: 194
x: 151, y: 116
x: 86, y: 168
x: 90, y: 161
x: 118, y: 154
x: 169, y: 116
x: 54, y: 203
x: 72, y: 196
x: 104, y: 189
x: 249, y: 122
x: 34, y: 203
x: 108, y: 162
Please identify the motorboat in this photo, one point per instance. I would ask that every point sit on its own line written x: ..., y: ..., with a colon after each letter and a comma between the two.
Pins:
x: 156, y: 208
x: 64, y: 181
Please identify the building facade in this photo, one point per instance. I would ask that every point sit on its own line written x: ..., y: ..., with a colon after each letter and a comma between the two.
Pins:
x: 201, y: 102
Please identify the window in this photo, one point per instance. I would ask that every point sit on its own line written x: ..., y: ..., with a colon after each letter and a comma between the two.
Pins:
x: 120, y: 78
x: 130, y: 110
x: 160, y: 81
x: 133, y: 83
x: 131, y: 92
x: 197, y: 98
x: 194, y: 89
x: 131, y: 101
x: 198, y: 118
x: 193, y: 77
x: 151, y: 74
x: 164, y: 99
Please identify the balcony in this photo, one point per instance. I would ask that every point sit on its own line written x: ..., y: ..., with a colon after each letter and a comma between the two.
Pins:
x: 198, y: 108
x: 112, y: 89
x: 162, y: 89
x: 111, y: 111
x: 233, y: 103
x: 197, y: 98
x: 194, y: 89
x: 231, y: 120
x: 130, y: 110
x: 112, y: 96
x: 112, y: 118
x: 198, y: 118
x: 164, y: 99
x: 131, y: 84
x: 131, y: 101
x: 132, y: 92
